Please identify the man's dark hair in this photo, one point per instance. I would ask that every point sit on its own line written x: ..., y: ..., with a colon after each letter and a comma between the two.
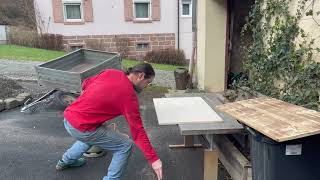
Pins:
x: 145, y: 68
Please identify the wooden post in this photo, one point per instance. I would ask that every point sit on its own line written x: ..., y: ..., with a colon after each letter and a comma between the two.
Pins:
x: 188, y: 143
x: 210, y: 164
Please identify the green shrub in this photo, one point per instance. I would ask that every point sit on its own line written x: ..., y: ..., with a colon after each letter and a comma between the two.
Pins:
x: 166, y: 56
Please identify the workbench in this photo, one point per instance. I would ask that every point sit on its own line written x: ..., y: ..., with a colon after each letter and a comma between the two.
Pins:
x: 214, y: 141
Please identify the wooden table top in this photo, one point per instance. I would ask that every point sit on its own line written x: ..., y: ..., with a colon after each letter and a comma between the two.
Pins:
x: 278, y: 120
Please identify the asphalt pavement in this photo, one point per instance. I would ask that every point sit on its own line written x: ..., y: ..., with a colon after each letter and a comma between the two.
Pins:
x: 31, y: 144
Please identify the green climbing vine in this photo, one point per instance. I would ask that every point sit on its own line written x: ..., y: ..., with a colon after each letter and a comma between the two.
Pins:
x: 279, y: 60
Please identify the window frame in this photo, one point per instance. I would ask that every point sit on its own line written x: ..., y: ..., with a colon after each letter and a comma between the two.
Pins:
x: 190, y: 8
x: 149, y: 2
x: 141, y: 46
x: 73, y: 2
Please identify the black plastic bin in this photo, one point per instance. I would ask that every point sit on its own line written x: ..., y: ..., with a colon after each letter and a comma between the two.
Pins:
x: 181, y: 76
x: 291, y: 160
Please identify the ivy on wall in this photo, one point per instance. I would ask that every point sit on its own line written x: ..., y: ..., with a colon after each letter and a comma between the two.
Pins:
x: 279, y: 61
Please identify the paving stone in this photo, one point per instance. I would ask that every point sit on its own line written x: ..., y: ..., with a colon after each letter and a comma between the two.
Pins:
x: 23, y: 97
x: 2, y: 105
x: 11, y: 103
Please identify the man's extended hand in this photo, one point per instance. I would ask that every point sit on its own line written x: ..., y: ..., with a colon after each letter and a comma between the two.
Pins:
x: 157, y: 167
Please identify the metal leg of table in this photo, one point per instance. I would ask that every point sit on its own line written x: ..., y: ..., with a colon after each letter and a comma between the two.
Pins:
x: 210, y: 164
x: 188, y: 143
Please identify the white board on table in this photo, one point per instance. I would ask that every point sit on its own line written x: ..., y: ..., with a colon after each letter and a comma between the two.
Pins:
x: 184, y: 110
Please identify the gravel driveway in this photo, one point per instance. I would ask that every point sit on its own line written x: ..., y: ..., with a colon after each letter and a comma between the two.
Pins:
x: 24, y: 70
x: 18, y: 70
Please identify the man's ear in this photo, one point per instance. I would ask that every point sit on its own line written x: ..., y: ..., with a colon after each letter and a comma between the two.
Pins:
x: 141, y: 75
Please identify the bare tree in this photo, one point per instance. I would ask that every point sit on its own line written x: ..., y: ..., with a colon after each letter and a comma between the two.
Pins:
x: 6, y: 12
x: 27, y: 7
x: 18, y: 13
x: 41, y: 23
x: 3, y: 17
x: 33, y: 15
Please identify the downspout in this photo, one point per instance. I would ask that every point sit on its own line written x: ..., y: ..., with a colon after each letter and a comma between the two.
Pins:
x: 192, y: 62
x: 178, y: 38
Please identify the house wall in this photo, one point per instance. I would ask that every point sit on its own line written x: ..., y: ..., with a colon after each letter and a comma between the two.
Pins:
x: 310, y: 25
x: 186, y: 34
x: 108, y: 19
x: 211, y: 43
x: 3, y: 34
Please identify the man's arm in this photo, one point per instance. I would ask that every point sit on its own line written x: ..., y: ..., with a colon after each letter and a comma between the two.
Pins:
x: 139, y: 136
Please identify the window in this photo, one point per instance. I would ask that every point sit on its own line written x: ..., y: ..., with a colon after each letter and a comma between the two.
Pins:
x: 142, y: 46
x: 186, y: 8
x: 72, y: 10
x: 142, y: 9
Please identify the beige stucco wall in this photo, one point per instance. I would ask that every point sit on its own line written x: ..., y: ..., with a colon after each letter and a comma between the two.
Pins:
x: 211, y: 19
x: 310, y: 25
x: 185, y: 33
x: 109, y: 20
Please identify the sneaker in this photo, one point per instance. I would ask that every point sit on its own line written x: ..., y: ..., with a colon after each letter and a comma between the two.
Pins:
x: 94, y: 152
x: 77, y: 163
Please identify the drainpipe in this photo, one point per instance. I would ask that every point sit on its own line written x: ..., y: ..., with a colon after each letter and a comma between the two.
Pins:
x: 178, y: 38
x: 192, y: 62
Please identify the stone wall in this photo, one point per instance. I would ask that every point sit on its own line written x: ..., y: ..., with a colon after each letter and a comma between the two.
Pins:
x: 138, y: 44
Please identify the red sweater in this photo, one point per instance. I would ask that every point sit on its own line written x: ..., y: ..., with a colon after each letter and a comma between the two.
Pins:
x: 104, y: 97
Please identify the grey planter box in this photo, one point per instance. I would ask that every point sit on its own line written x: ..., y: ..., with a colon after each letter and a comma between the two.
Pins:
x: 66, y: 73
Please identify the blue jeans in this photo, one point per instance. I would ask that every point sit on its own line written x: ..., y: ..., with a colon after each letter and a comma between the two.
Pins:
x: 104, y: 138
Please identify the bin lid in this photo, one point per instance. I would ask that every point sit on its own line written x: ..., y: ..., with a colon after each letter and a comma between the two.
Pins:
x: 278, y: 120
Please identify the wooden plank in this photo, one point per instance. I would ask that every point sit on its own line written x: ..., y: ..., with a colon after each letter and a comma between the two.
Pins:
x: 188, y: 143
x: 172, y: 111
x: 98, y: 55
x: 114, y: 63
x: 183, y: 146
x: 64, y: 60
x: 210, y: 165
x: 228, y: 126
x: 82, y: 67
x: 235, y: 163
x: 276, y: 119
x: 61, y: 86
